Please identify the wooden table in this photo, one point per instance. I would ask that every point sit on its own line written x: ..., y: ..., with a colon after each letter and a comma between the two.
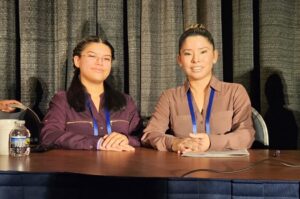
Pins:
x: 153, y: 167
x: 150, y: 163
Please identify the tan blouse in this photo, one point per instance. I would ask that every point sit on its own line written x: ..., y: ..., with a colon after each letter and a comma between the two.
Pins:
x: 230, y: 121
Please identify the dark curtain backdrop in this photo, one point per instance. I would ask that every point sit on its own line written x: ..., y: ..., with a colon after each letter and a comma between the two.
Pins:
x: 258, y: 42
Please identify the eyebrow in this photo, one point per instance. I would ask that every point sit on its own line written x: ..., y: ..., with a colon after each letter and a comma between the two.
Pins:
x: 96, y: 53
x: 188, y: 49
x: 90, y: 52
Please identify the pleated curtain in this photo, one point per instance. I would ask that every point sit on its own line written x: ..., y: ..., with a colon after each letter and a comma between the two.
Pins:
x: 255, y: 40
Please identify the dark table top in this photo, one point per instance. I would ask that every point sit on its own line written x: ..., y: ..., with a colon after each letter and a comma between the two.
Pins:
x: 143, y: 162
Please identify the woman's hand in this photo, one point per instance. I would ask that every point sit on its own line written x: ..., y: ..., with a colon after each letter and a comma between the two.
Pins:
x: 204, y: 141
x: 196, y: 142
x: 5, y: 105
x: 116, y: 142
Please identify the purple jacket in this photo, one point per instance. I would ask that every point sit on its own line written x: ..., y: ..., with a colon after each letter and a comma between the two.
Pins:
x: 66, y: 128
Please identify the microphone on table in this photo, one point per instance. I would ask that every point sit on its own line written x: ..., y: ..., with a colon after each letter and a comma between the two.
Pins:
x: 276, y: 153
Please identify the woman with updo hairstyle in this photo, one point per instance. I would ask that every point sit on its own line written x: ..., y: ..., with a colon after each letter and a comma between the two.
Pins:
x: 204, y: 113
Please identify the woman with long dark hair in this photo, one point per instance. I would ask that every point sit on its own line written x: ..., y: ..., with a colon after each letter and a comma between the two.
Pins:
x: 91, y: 114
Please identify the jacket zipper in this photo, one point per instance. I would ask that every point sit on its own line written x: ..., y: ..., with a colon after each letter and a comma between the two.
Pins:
x: 76, y: 122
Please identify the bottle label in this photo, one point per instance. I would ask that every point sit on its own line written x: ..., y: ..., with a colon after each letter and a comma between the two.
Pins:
x: 18, y: 141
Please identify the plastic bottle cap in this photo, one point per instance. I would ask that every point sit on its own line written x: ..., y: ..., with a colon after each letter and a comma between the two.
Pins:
x: 20, y: 121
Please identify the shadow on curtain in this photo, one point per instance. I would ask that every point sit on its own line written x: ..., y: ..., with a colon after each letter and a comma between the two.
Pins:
x: 282, y: 126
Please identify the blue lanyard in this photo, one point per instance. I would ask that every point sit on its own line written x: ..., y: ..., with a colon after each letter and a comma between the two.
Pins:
x: 208, y: 112
x: 107, y: 119
x: 95, y: 124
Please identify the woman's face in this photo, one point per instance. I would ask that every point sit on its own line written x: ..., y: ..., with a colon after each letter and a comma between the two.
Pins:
x: 94, y: 63
x: 196, y: 57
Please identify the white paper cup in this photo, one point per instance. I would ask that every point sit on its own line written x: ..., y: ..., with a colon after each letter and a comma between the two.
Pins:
x: 6, y: 125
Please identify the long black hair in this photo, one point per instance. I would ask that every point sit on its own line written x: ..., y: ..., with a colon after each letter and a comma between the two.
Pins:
x: 77, y: 94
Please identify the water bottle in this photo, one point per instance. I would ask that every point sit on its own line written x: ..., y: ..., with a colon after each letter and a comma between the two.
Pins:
x: 19, y: 140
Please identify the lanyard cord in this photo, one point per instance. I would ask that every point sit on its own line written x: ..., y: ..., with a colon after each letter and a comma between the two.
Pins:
x: 95, y: 124
x: 208, y: 113
x: 107, y: 119
x: 189, y: 97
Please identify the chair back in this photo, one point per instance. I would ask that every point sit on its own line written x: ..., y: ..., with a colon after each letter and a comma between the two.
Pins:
x: 261, y: 130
